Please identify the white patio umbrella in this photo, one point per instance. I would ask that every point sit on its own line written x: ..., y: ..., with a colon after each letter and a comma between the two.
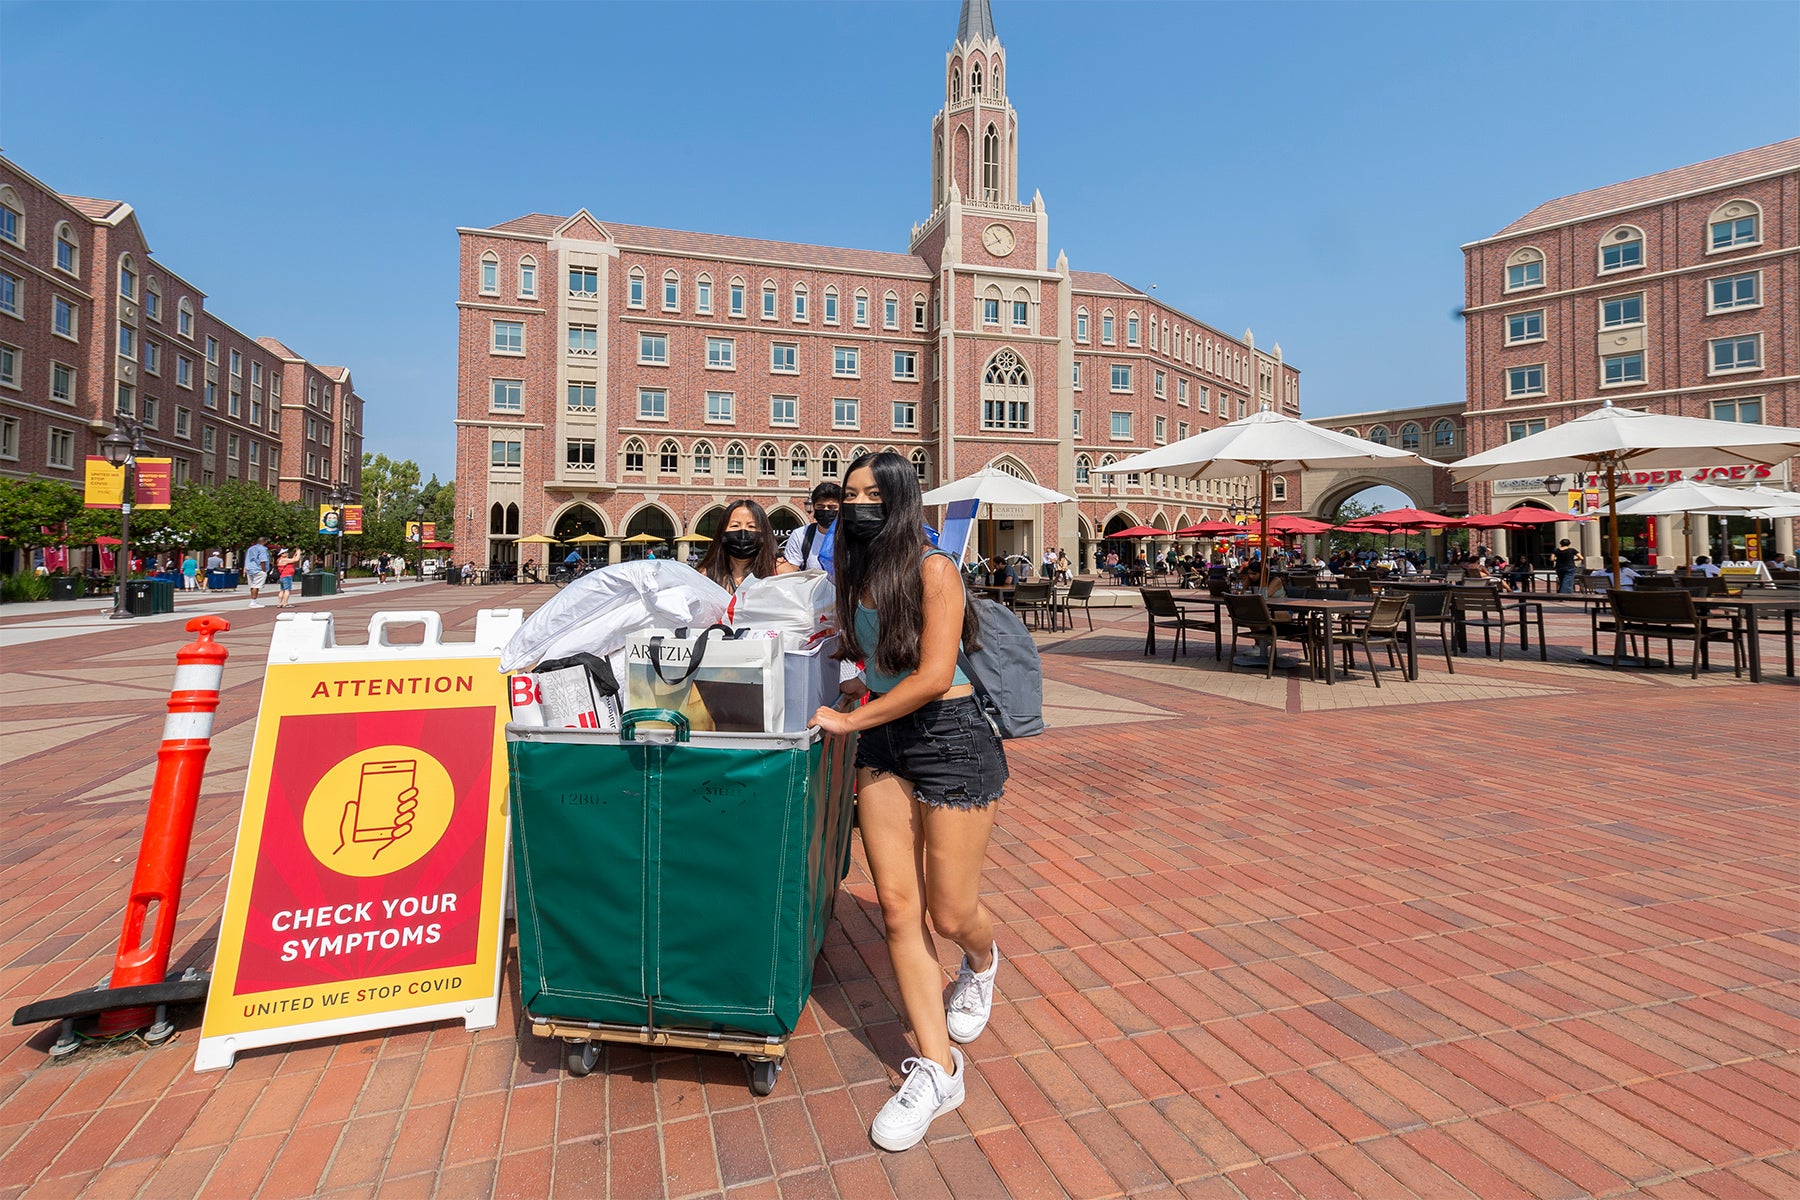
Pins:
x: 1759, y: 501
x: 992, y: 486
x: 1261, y: 444
x: 1686, y: 496
x: 1608, y: 438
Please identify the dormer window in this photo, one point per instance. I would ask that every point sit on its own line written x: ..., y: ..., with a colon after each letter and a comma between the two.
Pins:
x: 1734, y: 224
x: 955, y: 84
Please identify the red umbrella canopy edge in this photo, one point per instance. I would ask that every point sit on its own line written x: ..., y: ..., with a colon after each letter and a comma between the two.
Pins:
x: 1137, y: 531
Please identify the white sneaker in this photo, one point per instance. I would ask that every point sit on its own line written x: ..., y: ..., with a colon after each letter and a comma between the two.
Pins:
x: 256, y: 604
x: 971, y: 1000
x: 927, y: 1094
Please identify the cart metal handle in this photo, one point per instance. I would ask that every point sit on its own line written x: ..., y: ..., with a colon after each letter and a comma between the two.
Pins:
x: 629, y: 722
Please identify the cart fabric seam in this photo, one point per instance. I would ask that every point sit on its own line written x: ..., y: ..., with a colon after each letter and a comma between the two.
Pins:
x: 537, y: 925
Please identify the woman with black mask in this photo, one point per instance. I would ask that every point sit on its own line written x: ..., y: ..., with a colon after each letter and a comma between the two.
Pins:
x: 928, y: 771
x: 745, y: 546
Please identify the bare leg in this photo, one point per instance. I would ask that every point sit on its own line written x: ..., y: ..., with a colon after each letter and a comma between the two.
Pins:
x: 893, y: 840
x: 956, y: 842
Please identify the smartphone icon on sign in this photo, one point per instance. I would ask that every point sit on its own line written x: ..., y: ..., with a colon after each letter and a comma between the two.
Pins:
x: 382, y: 810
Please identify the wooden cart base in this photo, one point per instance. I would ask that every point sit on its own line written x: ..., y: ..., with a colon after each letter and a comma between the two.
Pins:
x: 763, y: 1055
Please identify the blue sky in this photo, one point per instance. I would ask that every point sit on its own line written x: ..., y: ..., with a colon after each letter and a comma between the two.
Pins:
x: 1306, y: 170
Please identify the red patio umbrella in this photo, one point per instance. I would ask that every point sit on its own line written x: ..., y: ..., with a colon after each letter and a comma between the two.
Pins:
x: 1138, y: 531
x: 1291, y: 525
x: 1214, y: 528
x: 1520, y: 518
x: 1397, y: 519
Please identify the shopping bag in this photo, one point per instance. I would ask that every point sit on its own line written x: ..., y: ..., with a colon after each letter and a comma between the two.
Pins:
x: 578, y: 692
x: 598, y: 611
x: 811, y: 679
x: 722, y: 680
x: 802, y: 602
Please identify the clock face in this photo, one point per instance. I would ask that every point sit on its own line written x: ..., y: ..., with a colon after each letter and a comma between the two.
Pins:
x: 998, y: 239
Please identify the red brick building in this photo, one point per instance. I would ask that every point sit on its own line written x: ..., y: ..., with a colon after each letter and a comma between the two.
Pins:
x: 618, y: 379
x: 1678, y: 292
x: 92, y: 324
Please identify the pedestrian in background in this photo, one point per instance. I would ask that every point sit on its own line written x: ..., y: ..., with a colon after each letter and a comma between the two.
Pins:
x: 256, y: 569
x: 285, y: 563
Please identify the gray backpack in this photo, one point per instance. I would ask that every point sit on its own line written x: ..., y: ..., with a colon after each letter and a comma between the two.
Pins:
x: 1006, y: 671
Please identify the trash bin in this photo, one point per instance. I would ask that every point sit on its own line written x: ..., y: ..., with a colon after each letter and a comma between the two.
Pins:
x: 723, y: 853
x: 66, y: 587
x: 318, y: 583
x: 149, y: 597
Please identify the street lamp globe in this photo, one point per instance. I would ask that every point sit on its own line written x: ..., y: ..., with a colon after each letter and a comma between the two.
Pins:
x: 116, y: 446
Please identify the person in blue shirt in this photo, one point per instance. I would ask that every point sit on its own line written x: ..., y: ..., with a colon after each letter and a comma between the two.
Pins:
x: 256, y: 569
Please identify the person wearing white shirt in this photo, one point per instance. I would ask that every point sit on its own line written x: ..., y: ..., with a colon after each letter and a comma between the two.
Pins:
x: 1706, y: 567
x: 826, y: 498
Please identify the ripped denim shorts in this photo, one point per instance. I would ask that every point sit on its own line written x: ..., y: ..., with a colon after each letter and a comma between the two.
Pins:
x: 945, y: 749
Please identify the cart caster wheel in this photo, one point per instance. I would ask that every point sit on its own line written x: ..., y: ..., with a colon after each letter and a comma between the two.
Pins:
x: 583, y: 1057
x: 763, y: 1074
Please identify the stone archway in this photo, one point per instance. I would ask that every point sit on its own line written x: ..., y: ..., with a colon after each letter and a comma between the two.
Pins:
x: 656, y: 521
x: 784, y: 520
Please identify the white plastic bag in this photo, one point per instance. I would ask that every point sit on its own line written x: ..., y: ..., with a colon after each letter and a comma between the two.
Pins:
x: 598, y: 611
x: 801, y: 602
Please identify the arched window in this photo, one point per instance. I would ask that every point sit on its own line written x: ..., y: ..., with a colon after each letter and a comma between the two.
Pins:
x: 1021, y: 309
x: 1409, y: 436
x: 703, y: 293
x: 859, y: 308
x: 68, y: 250
x: 668, y: 458
x: 634, y: 288
x: 497, y: 519
x: 766, y: 460
x: 633, y: 457
x: 1734, y: 223
x: 184, y: 318
x: 1084, y: 469
x: 800, y: 302
x: 1525, y: 269
x: 890, y: 311
x: 829, y: 463
x: 528, y: 278
x: 12, y: 217
x: 990, y: 305
x: 975, y: 79
x: 736, y: 299
x: 858, y: 453
x: 1106, y: 327
x: 768, y: 300
x: 1379, y: 435
x: 797, y: 463
x: 918, y: 465
x: 955, y: 84
x: 1278, y: 488
x: 1131, y: 329
x: 490, y: 274
x: 734, y: 460
x: 994, y: 83
x: 990, y: 157
x: 152, y: 299
x: 1443, y: 433
x: 127, y: 278
x: 831, y: 306
x: 1622, y: 249
x: 1081, y: 324
x: 703, y: 458
x: 512, y: 518
x: 671, y: 291
x: 1006, y: 368
x: 1165, y: 337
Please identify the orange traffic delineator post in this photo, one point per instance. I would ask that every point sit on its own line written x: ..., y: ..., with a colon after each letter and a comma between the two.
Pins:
x: 140, y: 992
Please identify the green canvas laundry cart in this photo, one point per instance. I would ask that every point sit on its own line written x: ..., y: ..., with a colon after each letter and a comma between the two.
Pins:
x: 673, y: 890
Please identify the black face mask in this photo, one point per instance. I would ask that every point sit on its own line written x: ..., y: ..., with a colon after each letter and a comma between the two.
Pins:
x: 826, y: 517
x: 863, y: 521
x: 742, y: 543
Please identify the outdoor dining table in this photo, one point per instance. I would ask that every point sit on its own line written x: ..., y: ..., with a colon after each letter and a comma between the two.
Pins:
x: 1329, y: 612
x: 1750, y: 606
x: 1531, y: 607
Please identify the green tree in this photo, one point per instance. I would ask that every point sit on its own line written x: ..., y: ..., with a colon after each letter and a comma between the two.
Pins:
x: 390, y: 487
x: 30, y: 506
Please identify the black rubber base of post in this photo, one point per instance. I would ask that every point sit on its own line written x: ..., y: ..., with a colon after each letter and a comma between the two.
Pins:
x: 185, y: 990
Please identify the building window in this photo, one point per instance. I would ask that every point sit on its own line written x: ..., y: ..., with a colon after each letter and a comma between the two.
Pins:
x: 127, y: 342
x: 528, y: 278
x: 60, y: 448
x: 918, y: 312
x: 906, y: 416
x: 668, y: 459
x: 1181, y: 431
x: 490, y: 275
x: 66, y: 250
x: 1131, y: 330
x: 890, y: 311
x: 184, y: 371
x: 126, y: 403
x: 9, y: 294
x: 184, y: 319
x: 1181, y: 395
x: 1161, y: 430
x: 734, y: 460
x: 653, y: 349
x: 1525, y: 327
x: 1021, y: 313
x: 1379, y: 435
x: 797, y: 463
x: 737, y: 297
x: 584, y: 283
x: 1075, y: 426
x: 1205, y: 404
x: 1622, y: 310
x: 1734, y: 291
x: 1748, y: 412
x: 653, y: 404
x: 831, y: 306
x: 1623, y: 250
x: 859, y: 309
x: 721, y: 354
x: 1084, y: 469
x: 62, y: 383
x: 1409, y: 436
x: 12, y: 225
x: 9, y: 366
x: 703, y: 294
x: 1443, y: 435
x: 990, y: 310
x: 63, y: 318
x: 1736, y: 353
x: 918, y: 465
x: 800, y: 302
x: 152, y: 300
x: 127, y: 278
x: 906, y: 365
x: 184, y: 422
x: 830, y: 463
x: 1121, y: 377
x: 671, y: 291
x: 784, y: 358
x: 1075, y: 374
x: 1523, y: 429
x: 509, y: 337
x: 634, y: 457
x: 765, y: 462
x: 1081, y: 325
x: 845, y: 413
x: 502, y: 452
x: 508, y: 396
x: 1121, y: 427
x: 634, y: 288
x: 783, y: 410
x: 9, y: 436
x: 583, y: 397
x: 1525, y: 381
x: 1106, y: 329
x: 721, y: 407
x: 702, y: 462
x: 846, y: 362
x: 1730, y: 231
x: 768, y: 302
x: 584, y: 341
x: 212, y: 350
x: 1525, y: 269
x: 1618, y: 369
x: 1159, y: 385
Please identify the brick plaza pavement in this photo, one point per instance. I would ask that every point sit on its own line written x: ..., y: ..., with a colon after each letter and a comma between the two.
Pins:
x: 1524, y: 930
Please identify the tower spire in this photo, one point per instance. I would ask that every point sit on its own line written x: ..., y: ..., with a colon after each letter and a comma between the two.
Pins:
x: 976, y: 23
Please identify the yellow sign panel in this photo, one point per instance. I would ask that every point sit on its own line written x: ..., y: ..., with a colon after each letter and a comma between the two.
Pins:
x: 366, y: 884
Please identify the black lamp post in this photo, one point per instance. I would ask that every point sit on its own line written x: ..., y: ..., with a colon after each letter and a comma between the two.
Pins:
x: 336, y: 497
x: 121, y: 448
x: 419, y: 537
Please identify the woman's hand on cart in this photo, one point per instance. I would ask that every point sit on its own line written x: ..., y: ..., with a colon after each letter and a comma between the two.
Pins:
x: 832, y: 720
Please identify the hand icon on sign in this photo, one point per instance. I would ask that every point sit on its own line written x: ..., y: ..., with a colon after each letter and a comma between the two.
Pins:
x: 383, y: 808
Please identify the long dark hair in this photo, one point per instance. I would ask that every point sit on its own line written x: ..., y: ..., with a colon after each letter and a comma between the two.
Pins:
x: 716, y: 566
x: 887, y: 572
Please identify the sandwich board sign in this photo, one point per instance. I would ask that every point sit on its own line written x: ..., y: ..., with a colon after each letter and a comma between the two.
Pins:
x: 367, y: 883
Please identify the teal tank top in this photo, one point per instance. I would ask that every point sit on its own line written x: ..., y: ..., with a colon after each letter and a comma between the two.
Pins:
x: 868, y: 636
